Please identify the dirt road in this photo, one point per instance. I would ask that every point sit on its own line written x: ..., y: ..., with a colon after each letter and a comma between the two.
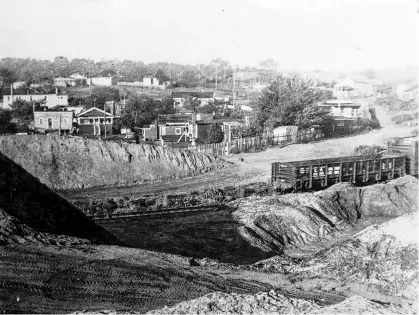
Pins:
x: 40, y: 279
x: 253, y: 167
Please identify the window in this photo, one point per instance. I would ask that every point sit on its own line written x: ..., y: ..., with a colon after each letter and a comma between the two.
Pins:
x: 163, y: 131
x: 340, y: 123
x: 40, y: 121
x: 65, y: 121
x: 178, y: 131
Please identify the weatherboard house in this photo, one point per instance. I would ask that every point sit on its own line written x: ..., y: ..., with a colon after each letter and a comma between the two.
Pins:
x: 95, y: 121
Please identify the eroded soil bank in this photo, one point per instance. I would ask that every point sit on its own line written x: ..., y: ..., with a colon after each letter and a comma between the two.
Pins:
x: 75, y: 163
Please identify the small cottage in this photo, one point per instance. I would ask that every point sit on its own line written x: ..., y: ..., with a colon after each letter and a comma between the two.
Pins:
x: 95, y: 121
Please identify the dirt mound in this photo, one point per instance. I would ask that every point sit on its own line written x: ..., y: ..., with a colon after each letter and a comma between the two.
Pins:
x: 275, y: 222
x: 383, y: 255
x: 12, y: 232
x: 34, y: 205
x: 260, y: 303
x: 360, y: 305
x: 70, y: 163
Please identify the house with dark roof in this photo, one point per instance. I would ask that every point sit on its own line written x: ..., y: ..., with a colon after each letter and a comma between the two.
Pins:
x: 95, y: 121
x: 179, y: 127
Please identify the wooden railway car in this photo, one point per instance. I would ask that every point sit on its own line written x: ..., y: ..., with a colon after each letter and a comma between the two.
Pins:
x: 312, y: 174
x: 409, y: 147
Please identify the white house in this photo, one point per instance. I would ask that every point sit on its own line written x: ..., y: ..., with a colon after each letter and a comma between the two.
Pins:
x: 150, y: 81
x: 342, y: 108
x: 60, y: 81
x: 357, y: 86
x: 101, y: 81
x: 48, y: 100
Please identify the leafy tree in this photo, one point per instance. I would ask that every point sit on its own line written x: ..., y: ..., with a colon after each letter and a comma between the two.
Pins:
x: 22, y: 110
x: 161, y: 76
x: 215, y: 134
x: 102, y: 94
x: 313, y: 116
x: 6, y: 126
x: 191, y: 103
x: 285, y: 100
x: 189, y: 78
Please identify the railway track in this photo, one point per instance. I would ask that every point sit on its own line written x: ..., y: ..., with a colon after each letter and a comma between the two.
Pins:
x: 153, y: 213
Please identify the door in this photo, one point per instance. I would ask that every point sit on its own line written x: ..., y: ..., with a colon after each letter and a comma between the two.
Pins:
x: 49, y: 123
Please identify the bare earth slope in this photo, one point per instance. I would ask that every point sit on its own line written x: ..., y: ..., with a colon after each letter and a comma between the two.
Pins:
x: 70, y: 163
x: 29, y: 203
x: 376, y: 269
x: 57, y: 279
x: 273, y: 223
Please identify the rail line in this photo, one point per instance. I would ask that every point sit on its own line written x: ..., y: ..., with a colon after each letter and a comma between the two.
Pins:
x: 158, y: 212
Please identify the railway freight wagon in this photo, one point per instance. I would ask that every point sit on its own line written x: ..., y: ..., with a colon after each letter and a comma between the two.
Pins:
x: 314, y: 174
x: 409, y: 147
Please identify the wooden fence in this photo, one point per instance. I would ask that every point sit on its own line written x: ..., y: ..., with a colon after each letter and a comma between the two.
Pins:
x: 255, y: 143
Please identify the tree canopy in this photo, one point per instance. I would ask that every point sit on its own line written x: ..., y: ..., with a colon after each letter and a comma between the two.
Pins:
x: 22, y: 109
x: 287, y: 101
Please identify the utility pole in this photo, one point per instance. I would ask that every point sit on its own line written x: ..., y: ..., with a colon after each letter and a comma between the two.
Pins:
x: 216, y: 77
x: 234, y: 88
x: 104, y: 119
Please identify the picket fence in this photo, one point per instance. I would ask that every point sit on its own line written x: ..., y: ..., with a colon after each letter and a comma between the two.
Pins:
x: 254, y: 143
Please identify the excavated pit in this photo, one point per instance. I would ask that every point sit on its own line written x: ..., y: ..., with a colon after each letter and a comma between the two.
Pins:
x: 252, y: 228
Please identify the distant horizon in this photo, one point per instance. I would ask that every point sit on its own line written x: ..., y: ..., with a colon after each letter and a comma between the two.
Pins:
x: 241, y: 66
x: 304, y: 35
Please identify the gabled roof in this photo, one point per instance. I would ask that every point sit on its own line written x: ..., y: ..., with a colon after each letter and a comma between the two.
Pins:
x: 174, y: 118
x: 94, y: 112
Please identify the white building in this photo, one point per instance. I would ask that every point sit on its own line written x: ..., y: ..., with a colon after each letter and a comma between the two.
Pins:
x: 48, y: 100
x: 342, y: 108
x: 348, y: 87
x: 101, y: 81
x: 149, y: 81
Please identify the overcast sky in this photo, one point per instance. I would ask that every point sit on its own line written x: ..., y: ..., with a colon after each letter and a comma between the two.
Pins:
x: 299, y: 34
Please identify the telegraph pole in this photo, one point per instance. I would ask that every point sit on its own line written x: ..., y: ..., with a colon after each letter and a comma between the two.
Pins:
x: 216, y: 77
x: 234, y: 88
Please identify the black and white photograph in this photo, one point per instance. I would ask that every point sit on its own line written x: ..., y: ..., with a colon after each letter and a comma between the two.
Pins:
x: 209, y: 157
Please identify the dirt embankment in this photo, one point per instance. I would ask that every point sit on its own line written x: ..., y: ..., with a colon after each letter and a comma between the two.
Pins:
x: 31, y: 212
x: 73, y: 163
x: 276, y: 222
x: 258, y: 227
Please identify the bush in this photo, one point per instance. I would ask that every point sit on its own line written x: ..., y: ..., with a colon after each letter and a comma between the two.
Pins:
x: 367, y: 151
x: 215, y: 134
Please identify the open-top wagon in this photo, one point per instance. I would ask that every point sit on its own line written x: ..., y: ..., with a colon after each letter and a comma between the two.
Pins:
x: 318, y: 173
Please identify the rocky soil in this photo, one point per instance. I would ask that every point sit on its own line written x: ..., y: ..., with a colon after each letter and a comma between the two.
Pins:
x: 376, y: 271
x: 72, y: 163
x: 260, y: 303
